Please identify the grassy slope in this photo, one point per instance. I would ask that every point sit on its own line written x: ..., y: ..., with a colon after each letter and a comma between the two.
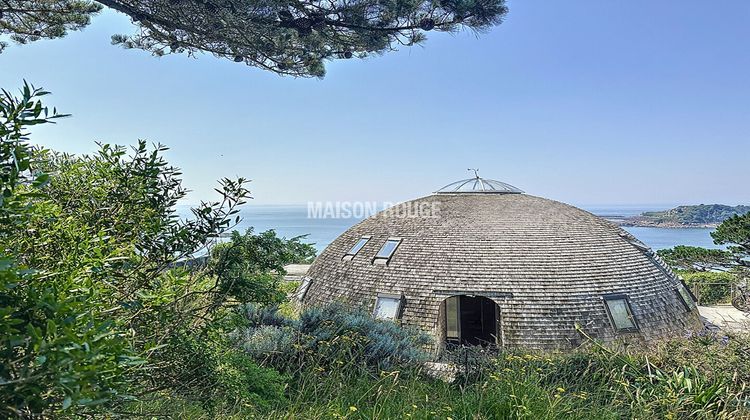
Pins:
x: 703, y: 377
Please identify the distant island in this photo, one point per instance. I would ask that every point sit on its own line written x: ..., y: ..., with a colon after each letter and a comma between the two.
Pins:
x: 703, y: 215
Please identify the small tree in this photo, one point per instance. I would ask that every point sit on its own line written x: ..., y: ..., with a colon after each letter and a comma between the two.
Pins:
x: 693, y: 258
x: 735, y: 232
x: 287, y: 37
x: 250, y: 267
x: 715, y: 271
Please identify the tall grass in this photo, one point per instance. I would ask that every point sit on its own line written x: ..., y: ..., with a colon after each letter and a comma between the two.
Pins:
x: 332, y: 375
x: 589, y: 384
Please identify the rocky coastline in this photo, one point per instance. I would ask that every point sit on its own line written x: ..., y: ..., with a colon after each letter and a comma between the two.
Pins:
x: 640, y: 221
x: 706, y: 216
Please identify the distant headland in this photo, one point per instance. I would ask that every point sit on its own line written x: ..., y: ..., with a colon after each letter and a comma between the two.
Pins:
x: 697, y: 216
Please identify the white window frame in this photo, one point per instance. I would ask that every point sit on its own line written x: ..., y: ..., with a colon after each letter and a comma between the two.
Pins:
x: 349, y: 254
x: 399, y: 298
x: 628, y: 308
x: 379, y: 259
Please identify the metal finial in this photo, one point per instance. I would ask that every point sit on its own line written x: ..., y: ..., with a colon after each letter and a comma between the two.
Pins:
x: 476, y: 172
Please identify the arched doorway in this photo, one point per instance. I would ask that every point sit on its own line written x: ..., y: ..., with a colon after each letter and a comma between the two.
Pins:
x: 471, y: 321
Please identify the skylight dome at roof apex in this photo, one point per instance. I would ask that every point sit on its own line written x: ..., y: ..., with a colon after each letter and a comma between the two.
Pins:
x: 478, y: 185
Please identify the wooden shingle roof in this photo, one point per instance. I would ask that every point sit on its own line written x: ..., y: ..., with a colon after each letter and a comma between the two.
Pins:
x: 546, y: 264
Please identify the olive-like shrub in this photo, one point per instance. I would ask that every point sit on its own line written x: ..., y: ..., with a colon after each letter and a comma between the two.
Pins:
x: 331, y: 337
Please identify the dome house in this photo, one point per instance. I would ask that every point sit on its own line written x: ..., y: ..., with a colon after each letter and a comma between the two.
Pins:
x: 480, y: 262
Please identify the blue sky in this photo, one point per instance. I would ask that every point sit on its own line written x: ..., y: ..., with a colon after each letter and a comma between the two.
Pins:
x: 588, y: 102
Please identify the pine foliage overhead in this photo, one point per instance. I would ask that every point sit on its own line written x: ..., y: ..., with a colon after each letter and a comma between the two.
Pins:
x: 291, y: 37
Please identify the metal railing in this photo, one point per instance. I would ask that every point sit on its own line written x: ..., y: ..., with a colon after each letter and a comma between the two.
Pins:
x: 701, y: 297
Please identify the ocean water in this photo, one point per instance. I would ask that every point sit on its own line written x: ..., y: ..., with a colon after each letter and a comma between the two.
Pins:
x: 657, y: 238
x: 292, y: 220
x: 660, y: 238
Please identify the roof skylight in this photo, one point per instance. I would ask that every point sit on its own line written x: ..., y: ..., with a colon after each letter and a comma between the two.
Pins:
x: 387, y: 250
x: 620, y: 313
x: 357, y: 247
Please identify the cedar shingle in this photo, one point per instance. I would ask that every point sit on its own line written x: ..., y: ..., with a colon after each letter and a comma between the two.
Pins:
x: 546, y: 264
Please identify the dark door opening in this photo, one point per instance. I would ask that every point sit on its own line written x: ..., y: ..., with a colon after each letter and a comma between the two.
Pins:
x: 471, y: 321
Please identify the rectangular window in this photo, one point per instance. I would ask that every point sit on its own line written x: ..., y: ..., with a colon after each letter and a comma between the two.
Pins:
x: 302, y: 289
x: 685, y: 298
x: 387, y: 250
x: 451, y: 318
x: 388, y: 307
x: 357, y: 247
x: 620, y: 313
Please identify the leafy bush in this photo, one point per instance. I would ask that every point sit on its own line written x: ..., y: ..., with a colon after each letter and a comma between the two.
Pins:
x: 257, y: 315
x: 271, y: 342
x: 215, y: 373
x: 95, y: 309
x: 712, y: 287
x: 56, y: 351
x: 250, y: 266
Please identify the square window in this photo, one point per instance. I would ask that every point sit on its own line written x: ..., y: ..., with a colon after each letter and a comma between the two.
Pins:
x: 387, y: 250
x: 388, y: 307
x: 357, y: 247
x: 620, y: 313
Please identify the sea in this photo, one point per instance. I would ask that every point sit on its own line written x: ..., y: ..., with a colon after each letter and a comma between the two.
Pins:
x: 292, y: 220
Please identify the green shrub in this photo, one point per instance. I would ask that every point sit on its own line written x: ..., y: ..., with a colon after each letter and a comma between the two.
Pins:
x: 57, y: 352
x: 215, y: 373
x: 712, y: 287
x: 94, y: 309
x: 291, y: 308
x: 250, y: 266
